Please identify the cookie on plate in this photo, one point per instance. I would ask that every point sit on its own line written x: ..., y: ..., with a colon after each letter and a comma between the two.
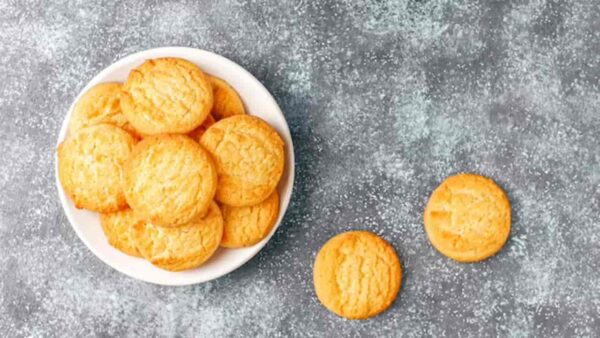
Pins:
x: 91, y: 164
x: 246, y: 226
x: 184, y: 247
x: 166, y: 95
x: 118, y: 227
x: 468, y: 218
x: 357, y: 275
x: 169, y: 180
x: 197, y: 133
x: 100, y: 104
x: 227, y: 102
x: 249, y: 157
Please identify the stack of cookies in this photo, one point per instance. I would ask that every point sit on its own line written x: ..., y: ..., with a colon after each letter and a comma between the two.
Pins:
x: 173, y: 164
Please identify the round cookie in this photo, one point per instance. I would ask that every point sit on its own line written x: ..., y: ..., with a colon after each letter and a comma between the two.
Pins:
x: 117, y: 227
x: 169, y: 179
x: 184, y: 247
x: 197, y: 133
x: 249, y: 157
x: 227, y: 102
x: 166, y: 95
x: 91, y: 165
x: 357, y: 275
x: 100, y: 104
x: 468, y: 218
x: 246, y: 226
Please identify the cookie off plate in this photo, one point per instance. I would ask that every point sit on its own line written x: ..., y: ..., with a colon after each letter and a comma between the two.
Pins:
x: 257, y: 100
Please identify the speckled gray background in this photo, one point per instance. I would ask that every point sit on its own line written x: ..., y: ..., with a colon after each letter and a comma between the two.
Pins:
x: 384, y: 99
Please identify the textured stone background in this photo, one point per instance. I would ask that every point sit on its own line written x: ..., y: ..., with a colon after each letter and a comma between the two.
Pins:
x: 384, y: 100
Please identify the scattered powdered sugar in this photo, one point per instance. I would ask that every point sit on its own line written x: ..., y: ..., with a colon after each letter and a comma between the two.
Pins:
x: 384, y: 100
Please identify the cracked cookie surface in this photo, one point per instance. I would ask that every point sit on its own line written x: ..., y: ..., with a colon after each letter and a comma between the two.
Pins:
x: 166, y: 95
x: 468, y: 218
x: 246, y: 226
x: 249, y: 158
x: 91, y: 164
x: 169, y: 179
x: 227, y: 102
x: 118, y: 227
x: 100, y: 104
x: 357, y: 275
x: 184, y: 247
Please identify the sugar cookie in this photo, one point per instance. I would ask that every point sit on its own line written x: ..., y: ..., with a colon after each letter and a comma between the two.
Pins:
x: 169, y: 179
x: 100, y: 104
x: 468, y: 218
x: 184, y: 247
x: 249, y: 157
x: 357, y: 275
x: 246, y: 226
x: 227, y: 102
x: 117, y: 227
x: 166, y: 95
x: 90, y: 167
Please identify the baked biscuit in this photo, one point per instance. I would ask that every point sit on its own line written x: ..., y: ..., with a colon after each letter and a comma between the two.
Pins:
x: 166, y: 95
x: 249, y: 157
x: 227, y: 102
x: 357, y: 275
x: 117, y: 227
x: 91, y: 164
x: 197, y: 133
x: 184, y: 247
x: 100, y: 104
x: 169, y: 179
x: 246, y: 226
x: 468, y: 218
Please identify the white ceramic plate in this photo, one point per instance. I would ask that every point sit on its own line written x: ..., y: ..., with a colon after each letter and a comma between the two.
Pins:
x: 258, y: 102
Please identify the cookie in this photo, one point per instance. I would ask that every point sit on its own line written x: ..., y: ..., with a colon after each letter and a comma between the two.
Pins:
x: 246, y: 226
x: 91, y: 164
x: 100, y: 104
x: 468, y: 218
x: 197, y: 133
x: 166, y: 95
x: 249, y: 157
x: 169, y: 180
x: 227, y: 102
x: 117, y: 227
x: 357, y: 275
x: 184, y: 247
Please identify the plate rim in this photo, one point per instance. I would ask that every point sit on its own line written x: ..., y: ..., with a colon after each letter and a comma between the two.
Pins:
x: 142, y: 55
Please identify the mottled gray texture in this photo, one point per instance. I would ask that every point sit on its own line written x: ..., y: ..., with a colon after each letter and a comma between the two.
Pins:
x: 384, y: 99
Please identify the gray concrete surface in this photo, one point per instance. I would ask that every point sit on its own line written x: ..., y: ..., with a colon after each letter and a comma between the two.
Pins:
x: 384, y: 100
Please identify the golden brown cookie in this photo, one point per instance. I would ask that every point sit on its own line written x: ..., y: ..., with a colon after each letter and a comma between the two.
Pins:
x: 166, y: 95
x: 246, y: 226
x: 184, y: 247
x: 100, y: 104
x: 357, y: 275
x: 197, y: 133
x: 91, y: 164
x: 227, y: 102
x: 467, y: 218
x: 249, y: 157
x: 118, y: 228
x: 169, y: 180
